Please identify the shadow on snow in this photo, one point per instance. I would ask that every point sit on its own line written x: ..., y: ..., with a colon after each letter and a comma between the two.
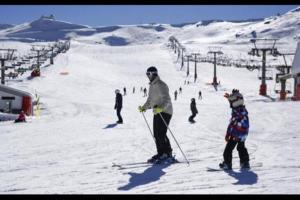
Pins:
x: 110, y: 126
x: 245, y: 177
x: 151, y: 174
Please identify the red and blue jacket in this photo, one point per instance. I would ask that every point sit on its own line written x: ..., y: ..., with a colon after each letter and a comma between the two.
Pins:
x: 238, y: 127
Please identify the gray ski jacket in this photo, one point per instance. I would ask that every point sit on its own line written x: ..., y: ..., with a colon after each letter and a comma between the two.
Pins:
x: 159, y: 95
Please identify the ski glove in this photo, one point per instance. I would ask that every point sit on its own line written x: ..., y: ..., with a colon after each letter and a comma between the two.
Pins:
x: 227, y: 138
x: 157, y: 110
x: 141, y: 109
x: 226, y: 95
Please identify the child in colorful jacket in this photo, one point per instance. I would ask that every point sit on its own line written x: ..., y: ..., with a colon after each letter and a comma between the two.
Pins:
x: 237, y: 131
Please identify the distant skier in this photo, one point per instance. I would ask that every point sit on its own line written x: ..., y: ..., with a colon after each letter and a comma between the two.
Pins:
x: 160, y: 101
x: 133, y: 90
x: 145, y: 92
x: 124, y: 90
x: 36, y: 72
x: 237, y: 131
x: 118, y: 106
x: 175, y: 95
x: 180, y: 90
x: 200, y: 94
x: 21, y: 117
x: 194, y: 110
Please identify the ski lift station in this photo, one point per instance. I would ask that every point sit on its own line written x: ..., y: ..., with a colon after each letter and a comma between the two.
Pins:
x: 14, y: 101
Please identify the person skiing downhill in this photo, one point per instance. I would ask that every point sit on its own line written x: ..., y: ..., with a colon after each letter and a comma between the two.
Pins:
x: 200, y: 94
x: 159, y: 100
x: 175, y: 95
x: 237, y: 131
x: 145, y: 92
x: 119, y: 105
x: 193, y: 109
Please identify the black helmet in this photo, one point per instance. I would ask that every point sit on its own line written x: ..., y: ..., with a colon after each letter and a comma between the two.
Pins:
x: 152, y: 70
x: 193, y: 99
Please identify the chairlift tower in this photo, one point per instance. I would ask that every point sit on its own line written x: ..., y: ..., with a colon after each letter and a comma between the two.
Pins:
x: 5, y: 55
x: 282, y: 77
x: 195, y: 59
x: 269, y: 46
x: 40, y: 51
x: 215, y: 51
x: 188, y: 65
x: 182, y: 57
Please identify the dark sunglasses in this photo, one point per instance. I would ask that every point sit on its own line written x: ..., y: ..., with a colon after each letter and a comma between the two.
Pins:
x: 150, y: 73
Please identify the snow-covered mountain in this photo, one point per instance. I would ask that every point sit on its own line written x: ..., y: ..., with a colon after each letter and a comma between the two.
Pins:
x: 71, y: 145
x: 49, y: 29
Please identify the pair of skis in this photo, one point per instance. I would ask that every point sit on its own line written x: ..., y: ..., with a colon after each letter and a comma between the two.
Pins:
x: 122, y: 166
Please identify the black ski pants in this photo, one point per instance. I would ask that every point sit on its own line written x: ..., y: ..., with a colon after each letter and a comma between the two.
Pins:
x: 191, y: 118
x: 243, y: 153
x: 119, y: 114
x: 160, y: 133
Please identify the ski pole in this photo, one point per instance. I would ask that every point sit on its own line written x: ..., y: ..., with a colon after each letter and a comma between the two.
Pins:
x: 148, y: 127
x: 174, y: 137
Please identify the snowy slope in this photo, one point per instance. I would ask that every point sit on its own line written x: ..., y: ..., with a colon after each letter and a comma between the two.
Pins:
x: 70, y: 148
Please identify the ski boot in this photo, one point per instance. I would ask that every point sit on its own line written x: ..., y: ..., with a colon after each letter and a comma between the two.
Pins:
x: 165, y: 159
x: 153, y: 159
x: 245, y: 165
x: 225, y: 166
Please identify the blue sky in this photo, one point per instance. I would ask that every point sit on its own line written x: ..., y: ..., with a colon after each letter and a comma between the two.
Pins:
x: 107, y: 15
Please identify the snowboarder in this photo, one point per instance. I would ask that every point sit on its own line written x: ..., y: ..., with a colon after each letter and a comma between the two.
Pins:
x: 118, y: 106
x: 145, y: 92
x: 160, y: 101
x: 200, y: 94
x: 124, y: 90
x: 175, y: 95
x: 21, y: 117
x: 180, y: 90
x: 237, y: 131
x: 194, y: 110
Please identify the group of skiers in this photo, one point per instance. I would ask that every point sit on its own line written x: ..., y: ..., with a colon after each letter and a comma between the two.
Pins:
x: 160, y: 102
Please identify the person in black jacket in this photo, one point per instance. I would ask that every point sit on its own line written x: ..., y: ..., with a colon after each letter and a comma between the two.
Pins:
x: 118, y: 105
x: 194, y: 110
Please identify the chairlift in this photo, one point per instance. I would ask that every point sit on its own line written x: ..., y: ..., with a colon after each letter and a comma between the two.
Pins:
x: 269, y: 74
x: 288, y: 88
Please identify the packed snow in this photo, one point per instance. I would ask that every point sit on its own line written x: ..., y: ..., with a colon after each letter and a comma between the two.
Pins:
x: 71, y: 146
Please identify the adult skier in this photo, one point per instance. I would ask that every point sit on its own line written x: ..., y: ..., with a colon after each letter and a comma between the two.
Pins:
x: 200, y: 94
x: 118, y: 105
x: 194, y: 110
x: 175, y: 95
x: 159, y: 100
x: 145, y: 92
x: 237, y: 131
